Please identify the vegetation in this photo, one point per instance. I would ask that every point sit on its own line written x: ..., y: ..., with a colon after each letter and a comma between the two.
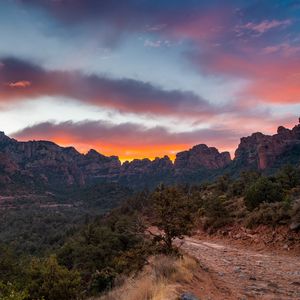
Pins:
x: 263, y: 190
x: 50, y: 281
x: 79, y: 251
x: 157, y: 280
x: 173, y: 215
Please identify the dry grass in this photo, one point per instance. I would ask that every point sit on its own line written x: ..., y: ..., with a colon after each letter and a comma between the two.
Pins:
x: 158, y: 281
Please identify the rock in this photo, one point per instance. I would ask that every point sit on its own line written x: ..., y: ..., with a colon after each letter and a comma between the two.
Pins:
x: 262, y: 151
x: 286, y: 247
x: 237, y: 269
x: 188, y: 296
x: 201, y: 156
x: 45, y: 164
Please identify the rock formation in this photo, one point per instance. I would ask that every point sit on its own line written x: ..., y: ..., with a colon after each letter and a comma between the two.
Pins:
x: 201, y: 156
x: 44, y: 164
x: 262, y: 151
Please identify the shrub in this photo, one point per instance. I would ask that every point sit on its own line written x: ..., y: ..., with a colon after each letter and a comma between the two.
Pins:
x: 268, y: 214
x: 295, y: 215
x: 9, y: 292
x: 102, y: 280
x: 50, y: 281
x: 263, y: 190
x: 289, y: 177
x: 215, y: 212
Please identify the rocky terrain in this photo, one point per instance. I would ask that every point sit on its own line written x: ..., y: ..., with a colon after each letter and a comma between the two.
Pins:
x: 232, y: 272
x: 41, y: 164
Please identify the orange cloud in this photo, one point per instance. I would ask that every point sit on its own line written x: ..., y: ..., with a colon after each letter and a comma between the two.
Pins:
x: 19, y: 84
x: 271, y: 79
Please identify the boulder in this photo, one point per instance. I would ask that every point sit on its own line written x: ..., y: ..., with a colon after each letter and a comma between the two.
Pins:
x: 188, y: 296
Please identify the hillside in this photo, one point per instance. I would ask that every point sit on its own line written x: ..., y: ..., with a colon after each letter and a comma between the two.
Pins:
x: 72, y: 227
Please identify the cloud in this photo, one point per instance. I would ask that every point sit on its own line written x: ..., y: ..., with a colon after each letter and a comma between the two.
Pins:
x: 125, y: 95
x: 128, y: 140
x: 19, y: 84
x: 176, y: 18
x: 131, y: 140
x: 272, y: 74
x: 263, y: 26
x: 152, y: 44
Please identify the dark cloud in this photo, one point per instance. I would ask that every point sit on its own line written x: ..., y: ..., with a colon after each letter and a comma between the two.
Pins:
x: 125, y: 135
x: 125, y: 95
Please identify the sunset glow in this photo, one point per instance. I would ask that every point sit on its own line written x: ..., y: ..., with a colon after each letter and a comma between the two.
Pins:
x: 144, y: 79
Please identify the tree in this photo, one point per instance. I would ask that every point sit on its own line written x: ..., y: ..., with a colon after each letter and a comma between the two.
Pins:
x: 50, y: 281
x: 173, y: 213
x: 263, y: 190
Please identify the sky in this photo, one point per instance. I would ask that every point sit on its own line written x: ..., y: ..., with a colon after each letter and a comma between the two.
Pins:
x: 148, y: 78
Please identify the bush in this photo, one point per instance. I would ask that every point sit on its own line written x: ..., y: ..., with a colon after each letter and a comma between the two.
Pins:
x: 289, y: 177
x: 50, y: 281
x: 268, y: 214
x: 9, y: 292
x: 102, y: 280
x: 263, y: 190
x: 215, y: 212
x: 295, y: 216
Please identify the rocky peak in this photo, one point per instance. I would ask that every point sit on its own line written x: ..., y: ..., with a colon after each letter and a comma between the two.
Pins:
x: 4, y: 138
x: 201, y: 156
x: 261, y: 151
x: 94, y: 155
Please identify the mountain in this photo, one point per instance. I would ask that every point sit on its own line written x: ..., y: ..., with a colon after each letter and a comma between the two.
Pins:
x: 45, y: 165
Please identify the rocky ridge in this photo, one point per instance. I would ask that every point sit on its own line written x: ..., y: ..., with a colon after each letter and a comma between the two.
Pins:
x: 262, y: 151
x: 45, y: 164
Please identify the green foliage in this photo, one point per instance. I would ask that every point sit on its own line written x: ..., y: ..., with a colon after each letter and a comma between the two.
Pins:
x: 94, y: 247
x: 271, y: 214
x: 9, y: 265
x: 173, y: 213
x: 102, y: 280
x: 215, y: 212
x: 239, y: 186
x: 35, y: 231
x: 288, y: 177
x: 40, y: 224
x: 101, y: 250
x: 263, y: 190
x: 9, y: 292
x: 50, y: 281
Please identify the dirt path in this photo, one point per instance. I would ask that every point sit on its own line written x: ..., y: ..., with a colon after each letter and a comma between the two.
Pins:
x: 244, y: 274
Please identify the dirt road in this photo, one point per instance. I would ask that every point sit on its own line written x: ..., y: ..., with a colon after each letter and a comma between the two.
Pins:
x: 244, y: 274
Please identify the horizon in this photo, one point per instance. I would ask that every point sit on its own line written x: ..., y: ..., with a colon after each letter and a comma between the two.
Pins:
x: 139, y: 79
x: 172, y: 158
